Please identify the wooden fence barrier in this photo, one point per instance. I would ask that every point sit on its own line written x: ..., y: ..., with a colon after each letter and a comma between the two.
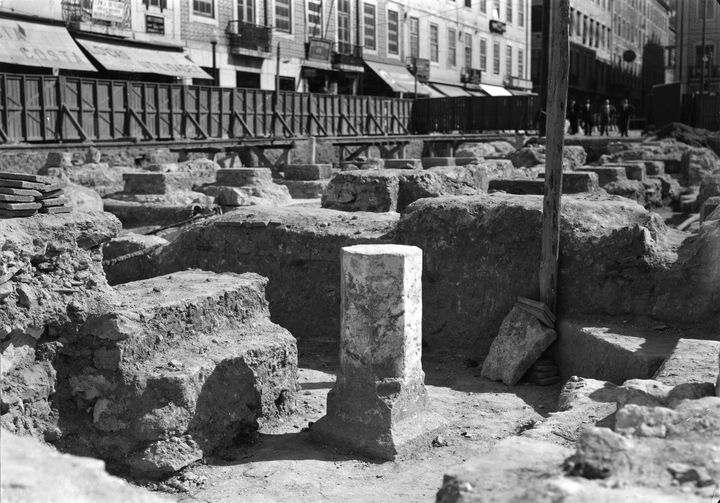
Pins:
x: 36, y: 108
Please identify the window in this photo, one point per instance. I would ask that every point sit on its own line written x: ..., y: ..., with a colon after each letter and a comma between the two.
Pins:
x: 434, y: 43
x: 483, y: 6
x: 509, y: 10
x: 521, y: 14
x: 521, y: 63
x: 246, y: 10
x: 369, y: 25
x: 343, y: 30
x: 203, y: 8
x: 315, y: 18
x: 709, y: 52
x: 496, y: 58
x: 508, y: 59
x: 414, y: 37
x: 451, y: 47
x: 709, y: 9
x: 161, y: 4
x: 468, y: 3
x: 393, y: 32
x: 468, y: 50
x: 283, y: 19
x: 496, y: 9
x: 483, y: 54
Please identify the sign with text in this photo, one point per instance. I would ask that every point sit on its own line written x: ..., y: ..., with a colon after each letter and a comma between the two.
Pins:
x: 108, y: 10
x: 319, y: 48
x: 420, y: 67
x: 33, y: 44
x: 497, y: 26
x: 154, y: 24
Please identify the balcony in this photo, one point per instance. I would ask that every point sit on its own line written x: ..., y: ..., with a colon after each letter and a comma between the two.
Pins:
x: 249, y: 39
x: 711, y: 72
x: 348, y: 57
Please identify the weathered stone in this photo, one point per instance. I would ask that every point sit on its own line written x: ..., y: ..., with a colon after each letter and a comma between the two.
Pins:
x: 630, y: 189
x: 59, y: 160
x: 148, y: 381
x: 654, y: 168
x: 135, y: 250
x: 92, y: 155
x: 260, y: 193
x: 653, y: 192
x: 690, y: 420
x: 379, y: 405
x: 620, y: 352
x: 696, y: 163
x: 432, y: 162
x: 308, y: 171
x: 440, y: 181
x: 484, y: 149
x: 708, y: 206
x: 34, y: 472
x: 602, y: 453
x: 305, y: 189
x: 527, y: 157
x: 643, y: 392
x: 519, y: 343
x: 165, y: 457
x: 691, y: 361
x: 464, y: 161
x: 156, y: 183
x: 709, y: 187
x: 517, y: 185
x: 670, y: 187
x: 403, y: 164
x: 636, y: 171
x: 239, y: 177
x: 575, y: 182
x: 607, y: 174
x: 373, y: 163
x: 497, y: 168
x: 142, y: 210
x: 574, y: 157
x: 362, y: 191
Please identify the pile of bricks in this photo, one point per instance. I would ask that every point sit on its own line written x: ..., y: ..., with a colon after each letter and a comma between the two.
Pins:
x: 23, y: 195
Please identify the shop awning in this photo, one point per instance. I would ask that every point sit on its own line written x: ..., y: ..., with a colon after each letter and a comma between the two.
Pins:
x: 35, y: 44
x: 400, y: 80
x: 450, y: 90
x: 495, y: 90
x: 476, y: 92
x: 123, y: 58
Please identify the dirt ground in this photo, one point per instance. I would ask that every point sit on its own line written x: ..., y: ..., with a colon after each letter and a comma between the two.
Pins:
x: 284, y: 465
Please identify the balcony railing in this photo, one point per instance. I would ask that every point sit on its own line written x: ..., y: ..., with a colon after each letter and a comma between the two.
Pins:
x: 711, y: 71
x: 248, y: 36
x: 348, y: 54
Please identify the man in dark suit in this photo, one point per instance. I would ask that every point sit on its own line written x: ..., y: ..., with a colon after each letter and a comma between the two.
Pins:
x: 626, y: 110
x: 587, y: 117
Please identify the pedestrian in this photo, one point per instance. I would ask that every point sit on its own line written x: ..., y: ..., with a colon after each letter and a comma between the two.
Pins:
x: 587, y: 117
x: 606, y: 113
x: 626, y: 110
x: 572, y: 115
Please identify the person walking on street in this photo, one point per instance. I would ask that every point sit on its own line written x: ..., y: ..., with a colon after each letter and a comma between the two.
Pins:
x: 587, y: 117
x: 606, y: 113
x: 626, y: 110
x: 572, y: 115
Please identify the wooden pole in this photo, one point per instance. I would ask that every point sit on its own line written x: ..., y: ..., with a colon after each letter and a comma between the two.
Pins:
x: 557, y: 87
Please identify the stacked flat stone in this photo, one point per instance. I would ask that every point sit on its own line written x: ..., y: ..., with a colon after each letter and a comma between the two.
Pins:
x: 23, y: 195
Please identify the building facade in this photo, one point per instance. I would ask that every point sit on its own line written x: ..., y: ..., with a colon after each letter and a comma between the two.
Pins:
x: 618, y: 48
x: 362, y: 46
x: 697, y: 65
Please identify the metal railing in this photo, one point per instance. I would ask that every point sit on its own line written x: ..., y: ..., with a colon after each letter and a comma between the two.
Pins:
x: 248, y: 36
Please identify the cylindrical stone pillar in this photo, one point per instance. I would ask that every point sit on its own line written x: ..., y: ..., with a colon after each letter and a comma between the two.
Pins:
x: 378, y: 406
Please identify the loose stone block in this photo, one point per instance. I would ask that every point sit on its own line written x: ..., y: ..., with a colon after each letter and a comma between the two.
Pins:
x: 574, y: 182
x: 59, y: 160
x: 239, y: 177
x: 654, y: 168
x: 707, y: 208
x: 305, y: 189
x: 366, y: 190
x: 372, y: 163
x: 518, y: 185
x: 520, y: 342
x: 431, y: 162
x: 308, y: 171
x: 156, y: 183
x: 607, y: 174
x: 464, y: 161
x: 403, y: 164
x: 379, y: 405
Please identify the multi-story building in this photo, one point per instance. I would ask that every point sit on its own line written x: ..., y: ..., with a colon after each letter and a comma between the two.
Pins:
x: 698, y: 37
x: 362, y: 46
x: 618, y: 48
x: 116, y: 39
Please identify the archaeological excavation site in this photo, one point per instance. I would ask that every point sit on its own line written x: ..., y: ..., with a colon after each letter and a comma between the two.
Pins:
x: 180, y: 325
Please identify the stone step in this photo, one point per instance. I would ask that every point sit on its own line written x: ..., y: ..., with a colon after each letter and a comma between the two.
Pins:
x: 691, y: 361
x: 607, y: 174
x: 431, y: 162
x: 239, y: 177
x: 308, y: 171
x: 573, y: 182
x: 634, y: 170
x: 183, y: 364
x: 403, y: 164
x: 305, y: 189
x: 156, y: 183
x: 610, y: 351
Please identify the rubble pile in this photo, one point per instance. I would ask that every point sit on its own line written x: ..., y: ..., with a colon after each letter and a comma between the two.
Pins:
x: 24, y: 195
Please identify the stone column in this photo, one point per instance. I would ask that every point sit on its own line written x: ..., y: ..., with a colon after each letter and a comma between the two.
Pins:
x: 379, y: 404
